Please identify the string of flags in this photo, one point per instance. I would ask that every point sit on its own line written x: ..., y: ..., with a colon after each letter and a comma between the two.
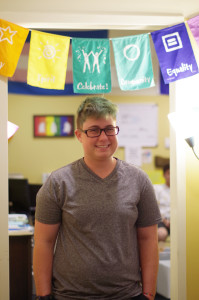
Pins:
x: 48, y: 57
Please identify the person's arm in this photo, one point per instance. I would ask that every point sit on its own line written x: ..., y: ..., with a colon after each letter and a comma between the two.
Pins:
x: 149, y: 258
x: 45, y: 237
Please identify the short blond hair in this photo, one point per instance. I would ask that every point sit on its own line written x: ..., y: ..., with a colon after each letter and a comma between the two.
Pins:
x: 96, y: 107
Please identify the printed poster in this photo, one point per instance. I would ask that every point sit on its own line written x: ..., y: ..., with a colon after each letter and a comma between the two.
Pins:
x: 53, y: 126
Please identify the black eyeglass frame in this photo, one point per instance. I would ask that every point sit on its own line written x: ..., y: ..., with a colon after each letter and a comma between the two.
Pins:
x: 100, y: 131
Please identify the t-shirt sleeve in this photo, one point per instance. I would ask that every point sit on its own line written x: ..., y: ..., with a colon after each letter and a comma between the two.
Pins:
x: 48, y: 208
x: 148, y: 210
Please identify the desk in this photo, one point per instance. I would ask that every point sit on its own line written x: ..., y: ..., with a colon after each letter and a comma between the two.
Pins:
x: 20, y: 253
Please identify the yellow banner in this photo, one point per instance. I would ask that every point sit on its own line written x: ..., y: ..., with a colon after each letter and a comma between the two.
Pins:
x: 48, y: 59
x: 12, y: 39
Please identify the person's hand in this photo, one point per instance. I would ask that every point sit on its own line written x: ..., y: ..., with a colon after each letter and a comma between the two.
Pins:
x: 148, y: 296
x: 166, y: 222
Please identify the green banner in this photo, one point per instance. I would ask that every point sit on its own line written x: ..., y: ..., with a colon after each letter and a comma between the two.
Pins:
x: 133, y: 62
x: 91, y: 66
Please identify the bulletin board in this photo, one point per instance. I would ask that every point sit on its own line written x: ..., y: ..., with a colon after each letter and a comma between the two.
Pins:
x: 138, y: 125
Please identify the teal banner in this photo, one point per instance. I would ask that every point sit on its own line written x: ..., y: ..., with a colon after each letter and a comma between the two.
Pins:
x: 133, y: 62
x: 91, y: 66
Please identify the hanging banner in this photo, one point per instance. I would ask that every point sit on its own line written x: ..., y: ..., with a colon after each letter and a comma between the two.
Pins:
x: 133, y: 62
x: 91, y: 66
x: 175, y: 54
x: 12, y: 39
x: 18, y: 83
x: 194, y: 27
x: 47, y: 62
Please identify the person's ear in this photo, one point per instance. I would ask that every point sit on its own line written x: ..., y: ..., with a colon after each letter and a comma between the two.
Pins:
x: 78, y: 134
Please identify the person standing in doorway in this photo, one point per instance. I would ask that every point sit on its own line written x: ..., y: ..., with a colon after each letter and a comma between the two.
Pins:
x: 96, y: 220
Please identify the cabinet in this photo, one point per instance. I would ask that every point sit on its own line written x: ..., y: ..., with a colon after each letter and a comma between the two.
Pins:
x: 20, y: 253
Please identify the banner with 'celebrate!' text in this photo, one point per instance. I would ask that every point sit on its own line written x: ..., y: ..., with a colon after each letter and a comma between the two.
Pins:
x: 91, y: 66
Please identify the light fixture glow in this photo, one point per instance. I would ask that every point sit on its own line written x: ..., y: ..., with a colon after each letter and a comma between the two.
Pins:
x: 11, y: 129
x: 186, y: 125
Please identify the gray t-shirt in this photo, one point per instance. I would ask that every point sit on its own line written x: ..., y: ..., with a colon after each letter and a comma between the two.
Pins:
x: 96, y: 255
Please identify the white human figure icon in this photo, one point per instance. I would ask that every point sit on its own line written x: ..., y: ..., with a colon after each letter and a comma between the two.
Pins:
x: 67, y: 128
x: 86, y: 61
x: 53, y: 127
x: 42, y: 127
x: 96, y: 60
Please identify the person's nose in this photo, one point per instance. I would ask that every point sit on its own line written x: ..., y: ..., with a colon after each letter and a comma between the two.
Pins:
x: 103, y: 135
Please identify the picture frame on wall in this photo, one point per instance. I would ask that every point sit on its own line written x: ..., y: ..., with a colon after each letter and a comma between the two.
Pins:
x: 51, y: 126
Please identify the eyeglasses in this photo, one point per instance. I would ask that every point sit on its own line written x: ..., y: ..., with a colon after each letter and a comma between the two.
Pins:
x: 96, y: 131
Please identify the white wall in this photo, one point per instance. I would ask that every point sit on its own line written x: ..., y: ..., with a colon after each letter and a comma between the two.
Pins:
x: 132, y: 14
x: 4, y: 247
x: 155, y: 7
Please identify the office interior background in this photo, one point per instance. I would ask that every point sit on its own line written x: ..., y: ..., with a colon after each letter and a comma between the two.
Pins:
x: 33, y: 157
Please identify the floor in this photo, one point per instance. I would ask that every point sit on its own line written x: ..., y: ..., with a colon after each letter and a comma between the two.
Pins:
x: 159, y: 297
